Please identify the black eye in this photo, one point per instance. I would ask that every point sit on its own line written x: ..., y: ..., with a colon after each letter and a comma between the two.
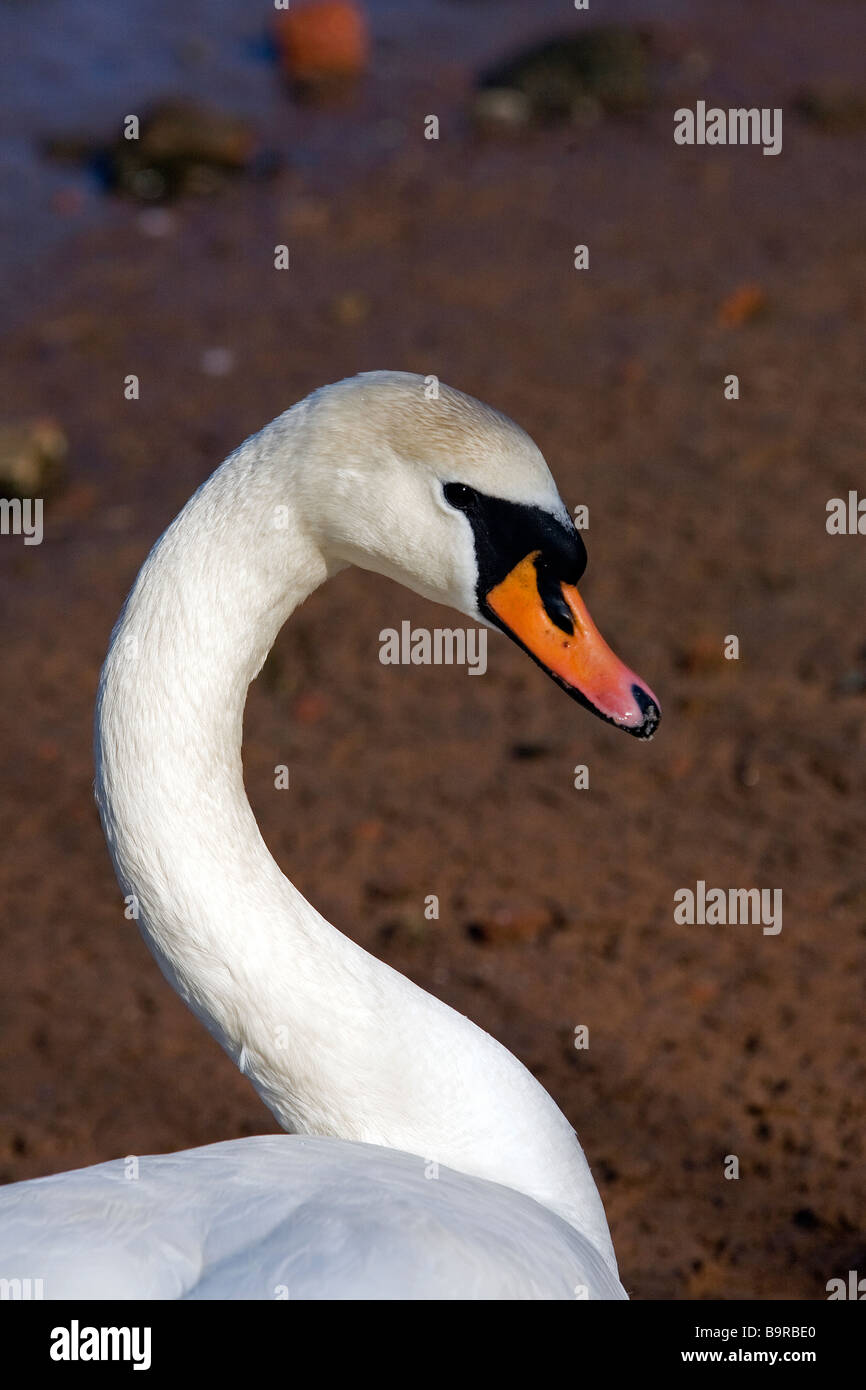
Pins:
x: 459, y: 495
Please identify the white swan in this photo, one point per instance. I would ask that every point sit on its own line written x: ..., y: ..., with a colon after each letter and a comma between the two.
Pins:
x: 452, y: 499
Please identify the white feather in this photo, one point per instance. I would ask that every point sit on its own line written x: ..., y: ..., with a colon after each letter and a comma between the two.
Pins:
x: 278, y: 1216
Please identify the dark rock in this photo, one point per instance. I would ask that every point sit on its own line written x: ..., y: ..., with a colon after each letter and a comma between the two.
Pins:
x: 832, y: 106
x: 182, y: 148
x: 573, y: 78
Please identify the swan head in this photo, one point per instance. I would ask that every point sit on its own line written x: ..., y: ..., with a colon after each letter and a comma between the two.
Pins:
x: 450, y: 498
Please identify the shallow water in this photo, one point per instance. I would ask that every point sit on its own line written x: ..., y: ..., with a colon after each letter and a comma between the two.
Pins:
x: 69, y: 68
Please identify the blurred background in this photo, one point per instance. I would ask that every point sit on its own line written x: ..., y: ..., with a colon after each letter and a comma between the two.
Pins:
x: 707, y: 517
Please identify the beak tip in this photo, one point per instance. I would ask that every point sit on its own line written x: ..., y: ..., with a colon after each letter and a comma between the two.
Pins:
x: 650, y: 710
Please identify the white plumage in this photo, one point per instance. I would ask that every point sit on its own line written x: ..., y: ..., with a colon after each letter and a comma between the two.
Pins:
x: 337, y: 1044
x: 281, y: 1217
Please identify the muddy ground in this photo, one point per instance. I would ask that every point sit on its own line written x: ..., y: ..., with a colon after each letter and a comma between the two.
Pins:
x: 707, y: 518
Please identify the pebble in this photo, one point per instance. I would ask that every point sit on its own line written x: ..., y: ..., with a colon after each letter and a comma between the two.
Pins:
x: 507, y: 925
x: 742, y: 306
x: 351, y: 308
x: 32, y: 456
x: 322, y: 42
x: 217, y: 361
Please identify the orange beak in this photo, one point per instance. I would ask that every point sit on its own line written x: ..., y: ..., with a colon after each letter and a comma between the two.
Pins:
x: 579, y: 659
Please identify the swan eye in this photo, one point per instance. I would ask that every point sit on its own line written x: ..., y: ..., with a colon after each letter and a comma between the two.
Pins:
x: 459, y: 495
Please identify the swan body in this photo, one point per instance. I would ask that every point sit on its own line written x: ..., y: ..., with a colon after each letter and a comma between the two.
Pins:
x: 280, y: 1216
x: 453, y: 500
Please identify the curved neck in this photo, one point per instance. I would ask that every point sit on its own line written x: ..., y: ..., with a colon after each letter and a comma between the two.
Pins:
x: 228, y: 929
x: 335, y: 1041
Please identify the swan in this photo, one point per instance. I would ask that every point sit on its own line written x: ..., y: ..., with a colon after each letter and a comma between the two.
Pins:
x: 422, y: 1159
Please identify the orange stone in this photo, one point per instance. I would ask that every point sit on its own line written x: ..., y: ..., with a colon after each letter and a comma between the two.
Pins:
x: 742, y: 306
x: 322, y: 40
